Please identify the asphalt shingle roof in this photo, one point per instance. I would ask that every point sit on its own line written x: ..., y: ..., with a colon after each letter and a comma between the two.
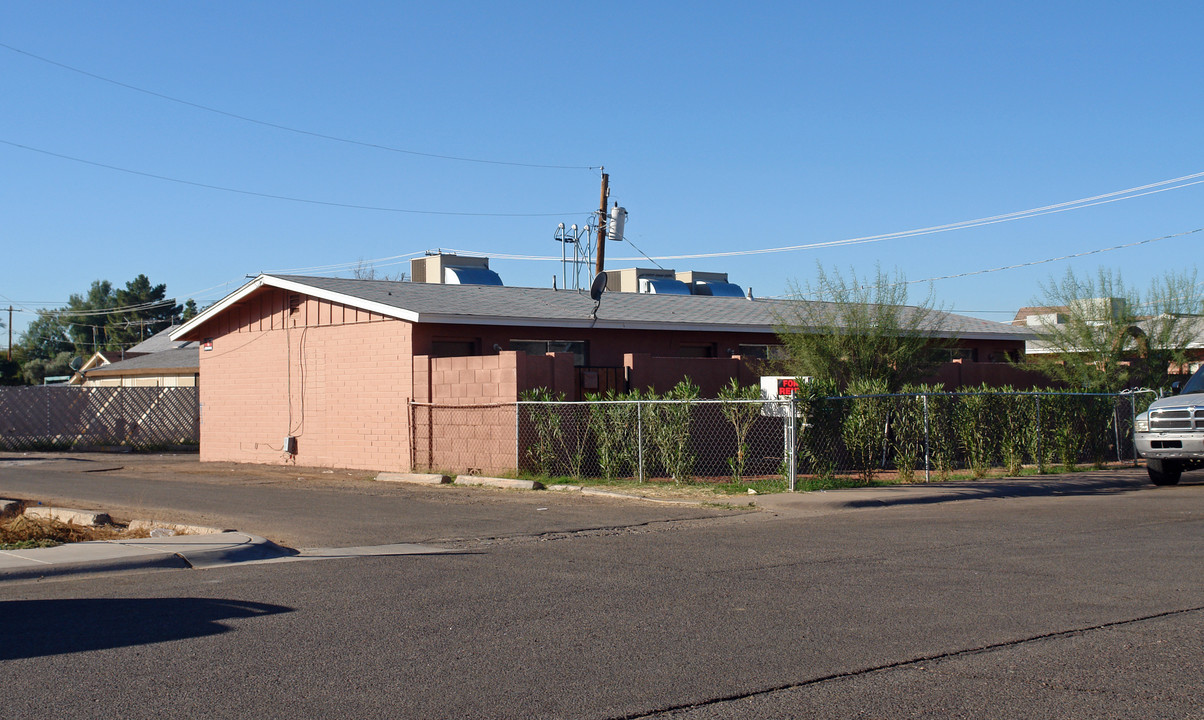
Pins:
x: 495, y: 305
x: 188, y: 358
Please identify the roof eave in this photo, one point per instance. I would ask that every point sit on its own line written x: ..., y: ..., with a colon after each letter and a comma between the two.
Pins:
x: 185, y: 331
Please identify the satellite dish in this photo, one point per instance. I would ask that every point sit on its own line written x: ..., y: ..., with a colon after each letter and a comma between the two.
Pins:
x: 597, y: 287
x: 77, y: 363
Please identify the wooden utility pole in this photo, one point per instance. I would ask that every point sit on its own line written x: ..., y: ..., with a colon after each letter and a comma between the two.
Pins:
x: 602, y: 224
x: 10, y: 332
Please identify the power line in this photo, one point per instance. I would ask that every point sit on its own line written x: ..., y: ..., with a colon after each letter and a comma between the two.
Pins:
x: 269, y: 195
x: 1033, y: 263
x: 68, y: 312
x: 286, y: 128
x: 1072, y: 256
x: 1115, y: 196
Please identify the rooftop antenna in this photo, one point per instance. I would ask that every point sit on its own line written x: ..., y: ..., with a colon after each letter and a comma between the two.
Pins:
x: 572, y: 235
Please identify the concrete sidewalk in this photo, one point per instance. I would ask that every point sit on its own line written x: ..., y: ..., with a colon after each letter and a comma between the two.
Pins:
x: 177, y: 552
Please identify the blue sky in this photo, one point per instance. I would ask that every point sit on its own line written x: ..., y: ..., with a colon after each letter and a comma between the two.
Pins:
x: 725, y: 129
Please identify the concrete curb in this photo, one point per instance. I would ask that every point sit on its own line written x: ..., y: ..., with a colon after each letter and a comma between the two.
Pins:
x: 175, y: 528
x: 137, y: 563
x: 72, y: 516
x: 112, y: 556
x: 415, y: 478
x: 498, y: 482
x: 645, y: 498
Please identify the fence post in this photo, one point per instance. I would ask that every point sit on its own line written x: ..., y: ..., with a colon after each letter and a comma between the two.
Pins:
x: 1116, y: 425
x: 1040, y: 456
x: 1133, y: 424
x: 927, y: 462
x: 792, y: 436
x: 639, y: 436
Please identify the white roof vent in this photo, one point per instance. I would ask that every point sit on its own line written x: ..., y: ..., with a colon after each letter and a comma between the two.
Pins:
x: 717, y: 289
x: 453, y: 275
x: 663, y: 286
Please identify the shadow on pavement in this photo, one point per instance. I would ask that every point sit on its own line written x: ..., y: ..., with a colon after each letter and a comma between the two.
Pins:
x: 36, y: 628
x: 1089, y: 484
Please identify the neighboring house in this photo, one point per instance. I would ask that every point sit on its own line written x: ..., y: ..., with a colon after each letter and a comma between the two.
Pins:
x: 98, y: 360
x: 158, y: 361
x: 1053, y: 317
x: 328, y: 372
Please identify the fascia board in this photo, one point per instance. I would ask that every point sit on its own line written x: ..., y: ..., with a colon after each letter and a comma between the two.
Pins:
x: 236, y: 296
x: 216, y: 308
x: 578, y: 323
x: 350, y: 300
x: 140, y: 372
x: 649, y: 325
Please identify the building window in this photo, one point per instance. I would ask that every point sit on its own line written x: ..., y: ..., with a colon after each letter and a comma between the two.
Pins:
x: 762, y: 352
x: 945, y: 355
x: 543, y: 347
x: 697, y: 351
x: 453, y: 348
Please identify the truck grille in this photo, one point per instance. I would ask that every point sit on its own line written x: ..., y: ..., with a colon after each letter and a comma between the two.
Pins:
x: 1180, y: 419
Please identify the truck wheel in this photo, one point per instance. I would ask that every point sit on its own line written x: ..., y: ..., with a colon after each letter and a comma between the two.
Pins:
x: 1164, y: 472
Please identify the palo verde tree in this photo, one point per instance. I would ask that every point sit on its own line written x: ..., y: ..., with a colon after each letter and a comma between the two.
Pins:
x: 1100, y: 335
x: 844, y: 329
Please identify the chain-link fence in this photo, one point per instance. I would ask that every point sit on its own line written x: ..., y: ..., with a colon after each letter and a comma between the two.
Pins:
x: 68, y: 417
x: 867, y: 437
x: 463, y: 439
x: 926, y: 434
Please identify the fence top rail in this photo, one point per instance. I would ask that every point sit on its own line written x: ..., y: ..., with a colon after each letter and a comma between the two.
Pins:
x: 1031, y: 393
x: 471, y: 406
x: 661, y: 401
x: 762, y: 401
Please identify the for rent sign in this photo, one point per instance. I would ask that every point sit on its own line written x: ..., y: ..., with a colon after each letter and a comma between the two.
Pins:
x: 779, y: 387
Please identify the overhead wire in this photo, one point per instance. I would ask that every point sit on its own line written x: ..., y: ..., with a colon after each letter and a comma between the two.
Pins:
x: 287, y: 128
x: 1115, y: 196
x: 272, y: 196
x: 1031, y: 263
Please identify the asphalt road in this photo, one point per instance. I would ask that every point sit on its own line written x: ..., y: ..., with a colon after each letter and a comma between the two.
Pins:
x: 1028, y: 604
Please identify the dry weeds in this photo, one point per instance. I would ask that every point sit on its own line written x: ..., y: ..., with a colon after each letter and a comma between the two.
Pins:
x: 25, y: 531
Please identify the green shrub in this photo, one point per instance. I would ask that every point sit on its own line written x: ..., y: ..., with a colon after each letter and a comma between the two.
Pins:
x: 907, y: 432
x: 742, y: 415
x: 668, y: 426
x: 1015, y: 412
x: 817, y: 432
x: 864, y: 426
x: 614, y: 424
x: 549, y: 434
x: 977, y: 422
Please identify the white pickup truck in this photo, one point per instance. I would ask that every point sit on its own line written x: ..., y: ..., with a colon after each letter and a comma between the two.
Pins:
x: 1170, y: 434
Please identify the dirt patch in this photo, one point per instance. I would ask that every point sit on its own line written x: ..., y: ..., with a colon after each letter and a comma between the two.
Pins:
x: 22, y: 532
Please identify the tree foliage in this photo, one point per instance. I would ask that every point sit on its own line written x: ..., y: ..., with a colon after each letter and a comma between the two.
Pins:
x: 103, y: 318
x: 845, y: 329
x: 1100, y: 335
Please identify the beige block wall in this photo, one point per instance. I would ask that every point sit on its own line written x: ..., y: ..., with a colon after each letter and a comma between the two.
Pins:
x: 341, y: 385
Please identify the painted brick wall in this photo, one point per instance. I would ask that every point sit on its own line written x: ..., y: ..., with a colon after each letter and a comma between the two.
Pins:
x: 337, y: 379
